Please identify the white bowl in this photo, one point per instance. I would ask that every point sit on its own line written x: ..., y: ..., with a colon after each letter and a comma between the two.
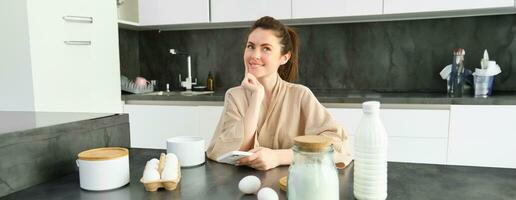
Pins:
x: 188, y: 149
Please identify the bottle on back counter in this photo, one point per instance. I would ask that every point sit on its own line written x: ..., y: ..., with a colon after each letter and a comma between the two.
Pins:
x: 210, y: 83
x: 457, y: 77
x: 370, y: 170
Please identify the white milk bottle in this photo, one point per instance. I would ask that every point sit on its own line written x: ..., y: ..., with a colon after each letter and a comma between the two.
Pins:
x: 370, y: 170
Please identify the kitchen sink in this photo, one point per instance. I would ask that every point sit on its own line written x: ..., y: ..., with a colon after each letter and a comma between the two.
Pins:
x: 195, y: 93
x: 182, y: 93
x: 161, y: 93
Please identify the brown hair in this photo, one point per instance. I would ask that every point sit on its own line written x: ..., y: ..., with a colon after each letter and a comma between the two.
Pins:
x: 289, y: 42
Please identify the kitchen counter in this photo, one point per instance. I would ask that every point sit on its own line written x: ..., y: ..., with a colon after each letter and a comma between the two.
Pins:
x: 13, y: 121
x: 36, y: 147
x: 347, y: 97
x: 220, y: 181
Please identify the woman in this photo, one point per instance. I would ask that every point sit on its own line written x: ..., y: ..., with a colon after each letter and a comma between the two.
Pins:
x: 266, y: 112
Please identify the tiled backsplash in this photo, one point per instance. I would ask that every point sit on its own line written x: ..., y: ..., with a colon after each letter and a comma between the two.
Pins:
x: 396, y: 55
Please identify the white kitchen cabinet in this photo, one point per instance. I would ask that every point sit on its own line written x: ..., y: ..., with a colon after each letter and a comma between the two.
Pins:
x: 68, y: 51
x: 238, y: 10
x: 482, y: 135
x: 165, y: 12
x: 399, y: 122
x: 208, y: 119
x: 151, y: 125
x: 414, y: 135
x: 415, y: 6
x: 335, y: 8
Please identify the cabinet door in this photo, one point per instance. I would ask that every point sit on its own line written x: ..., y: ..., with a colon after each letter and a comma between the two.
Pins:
x: 348, y: 118
x: 417, y: 150
x: 238, y: 10
x: 104, y: 67
x: 399, y: 122
x: 414, y: 135
x: 148, y: 12
x: 74, y: 56
x: 59, y: 70
x: 418, y: 123
x: 163, y: 12
x: 335, y: 8
x: 482, y: 136
x: 414, y: 6
x: 208, y: 119
x: 151, y: 125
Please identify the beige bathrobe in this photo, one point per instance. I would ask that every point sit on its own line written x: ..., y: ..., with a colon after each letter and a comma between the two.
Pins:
x: 292, y: 111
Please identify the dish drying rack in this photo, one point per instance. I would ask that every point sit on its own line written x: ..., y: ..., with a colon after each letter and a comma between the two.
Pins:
x: 129, y: 86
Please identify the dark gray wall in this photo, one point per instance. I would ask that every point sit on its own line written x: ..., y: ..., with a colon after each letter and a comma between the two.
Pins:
x: 397, y: 55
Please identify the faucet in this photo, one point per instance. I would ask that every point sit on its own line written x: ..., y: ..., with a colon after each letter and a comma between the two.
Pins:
x: 188, y: 80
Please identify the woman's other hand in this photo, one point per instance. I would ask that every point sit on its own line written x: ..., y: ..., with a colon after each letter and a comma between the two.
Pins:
x: 262, y: 159
x: 251, y: 84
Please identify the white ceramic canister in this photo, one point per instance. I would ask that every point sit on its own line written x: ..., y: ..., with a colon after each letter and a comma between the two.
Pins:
x: 188, y: 149
x: 103, y: 168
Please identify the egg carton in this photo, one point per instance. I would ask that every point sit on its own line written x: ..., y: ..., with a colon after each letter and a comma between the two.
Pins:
x: 130, y: 86
x: 152, y: 186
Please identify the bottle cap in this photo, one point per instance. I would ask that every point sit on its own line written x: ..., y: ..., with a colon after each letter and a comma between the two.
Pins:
x: 371, y: 106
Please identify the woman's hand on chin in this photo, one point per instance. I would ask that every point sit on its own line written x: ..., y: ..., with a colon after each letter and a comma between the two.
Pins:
x: 251, y: 84
x: 262, y: 159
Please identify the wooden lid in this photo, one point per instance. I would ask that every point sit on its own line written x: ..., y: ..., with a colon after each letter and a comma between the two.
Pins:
x: 106, y: 153
x: 312, y: 143
x: 283, y: 183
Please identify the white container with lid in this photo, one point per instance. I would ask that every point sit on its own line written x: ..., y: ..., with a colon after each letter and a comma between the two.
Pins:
x: 103, y: 168
x: 370, y: 165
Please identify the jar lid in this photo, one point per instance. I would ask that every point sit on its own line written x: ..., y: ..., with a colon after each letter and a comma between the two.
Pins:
x: 312, y: 143
x: 106, y: 153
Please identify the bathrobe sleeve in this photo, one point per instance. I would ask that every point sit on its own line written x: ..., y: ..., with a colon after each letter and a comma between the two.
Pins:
x: 229, y: 133
x: 318, y: 121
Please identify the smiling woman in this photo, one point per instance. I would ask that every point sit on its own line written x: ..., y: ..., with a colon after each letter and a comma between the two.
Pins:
x: 267, y: 111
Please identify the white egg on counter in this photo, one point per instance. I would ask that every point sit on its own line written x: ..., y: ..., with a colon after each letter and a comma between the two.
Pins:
x: 151, y: 165
x: 150, y: 174
x: 171, y: 159
x: 169, y: 172
x: 153, y: 161
x: 171, y: 155
x: 267, y: 194
x: 249, y: 184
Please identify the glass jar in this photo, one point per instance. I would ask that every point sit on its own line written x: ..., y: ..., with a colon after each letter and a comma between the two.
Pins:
x: 312, y: 174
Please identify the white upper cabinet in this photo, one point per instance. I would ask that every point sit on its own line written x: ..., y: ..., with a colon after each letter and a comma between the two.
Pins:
x: 164, y: 12
x: 238, y: 10
x: 415, y: 6
x: 335, y: 8
x: 72, y: 53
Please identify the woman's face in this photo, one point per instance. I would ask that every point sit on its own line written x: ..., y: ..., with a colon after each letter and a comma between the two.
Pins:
x: 262, y: 56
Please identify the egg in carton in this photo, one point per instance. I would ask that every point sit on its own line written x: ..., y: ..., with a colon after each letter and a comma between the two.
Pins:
x: 163, y: 182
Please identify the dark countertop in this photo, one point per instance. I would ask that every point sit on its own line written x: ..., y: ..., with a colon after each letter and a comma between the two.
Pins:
x: 220, y: 181
x: 347, y: 96
x: 12, y: 121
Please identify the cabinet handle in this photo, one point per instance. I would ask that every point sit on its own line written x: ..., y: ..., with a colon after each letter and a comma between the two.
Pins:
x: 81, y: 19
x: 77, y: 42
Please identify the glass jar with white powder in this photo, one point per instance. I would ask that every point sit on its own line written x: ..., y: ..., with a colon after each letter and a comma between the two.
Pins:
x: 312, y: 174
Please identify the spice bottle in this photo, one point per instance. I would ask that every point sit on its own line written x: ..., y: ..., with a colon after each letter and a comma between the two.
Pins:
x: 312, y: 174
x: 210, y: 83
